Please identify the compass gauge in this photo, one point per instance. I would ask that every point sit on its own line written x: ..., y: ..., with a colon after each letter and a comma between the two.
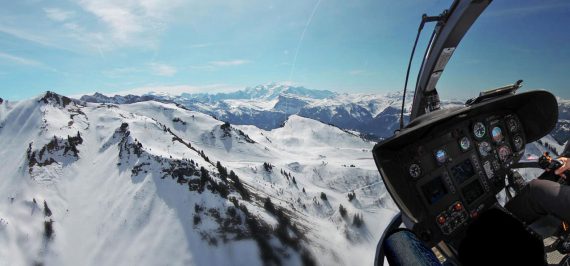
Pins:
x: 484, y: 148
x: 464, y: 143
x: 415, y: 170
x: 512, y: 125
x: 518, y: 142
x: 479, y: 130
x: 504, y: 153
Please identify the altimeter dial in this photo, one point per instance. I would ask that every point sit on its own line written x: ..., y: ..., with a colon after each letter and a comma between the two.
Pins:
x: 479, y: 130
x: 513, y: 125
x: 415, y: 170
x: 484, y: 148
x: 518, y: 142
x: 464, y: 143
x: 504, y: 153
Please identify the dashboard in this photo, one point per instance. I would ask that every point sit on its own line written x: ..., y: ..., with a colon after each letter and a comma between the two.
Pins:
x: 446, y: 167
x: 457, y: 171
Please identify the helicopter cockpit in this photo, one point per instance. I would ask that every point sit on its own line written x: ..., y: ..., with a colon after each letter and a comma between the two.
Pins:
x: 445, y: 169
x: 447, y: 166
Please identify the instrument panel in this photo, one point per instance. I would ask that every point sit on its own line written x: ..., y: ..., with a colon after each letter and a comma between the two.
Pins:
x: 457, y: 171
x: 446, y: 167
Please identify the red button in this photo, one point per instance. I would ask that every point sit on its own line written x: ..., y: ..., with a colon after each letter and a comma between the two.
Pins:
x: 441, y: 219
x: 474, y: 214
x: 458, y: 207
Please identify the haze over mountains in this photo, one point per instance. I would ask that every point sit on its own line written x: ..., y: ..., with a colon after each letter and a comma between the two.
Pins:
x: 373, y: 116
x: 157, y: 179
x: 268, y: 106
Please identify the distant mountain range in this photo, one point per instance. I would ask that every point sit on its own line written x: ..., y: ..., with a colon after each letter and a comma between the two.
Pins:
x: 373, y: 116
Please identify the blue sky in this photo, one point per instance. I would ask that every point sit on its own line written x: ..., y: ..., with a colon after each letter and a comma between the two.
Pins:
x: 82, y: 46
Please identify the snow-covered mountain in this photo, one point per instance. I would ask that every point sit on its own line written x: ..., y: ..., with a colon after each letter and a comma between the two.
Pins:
x: 374, y: 116
x: 262, y: 92
x: 151, y: 183
x: 268, y: 106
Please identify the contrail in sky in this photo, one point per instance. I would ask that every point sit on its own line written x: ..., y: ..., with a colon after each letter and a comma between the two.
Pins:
x: 301, y: 39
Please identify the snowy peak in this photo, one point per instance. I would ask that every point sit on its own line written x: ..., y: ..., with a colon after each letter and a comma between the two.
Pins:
x: 117, y: 99
x: 148, y: 171
x: 290, y: 104
x: 266, y: 92
x: 267, y: 106
x: 272, y: 91
x: 58, y: 100
x: 313, y: 133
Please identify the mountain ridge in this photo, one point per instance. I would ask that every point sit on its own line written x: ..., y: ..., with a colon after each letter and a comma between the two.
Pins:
x: 374, y: 116
x: 93, y: 178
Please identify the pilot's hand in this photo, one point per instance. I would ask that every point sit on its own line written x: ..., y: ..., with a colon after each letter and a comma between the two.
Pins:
x: 565, y: 167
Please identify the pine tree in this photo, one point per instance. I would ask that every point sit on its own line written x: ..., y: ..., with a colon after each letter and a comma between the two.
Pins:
x: 222, y: 170
x: 351, y: 196
x: 204, y: 177
x: 268, y: 205
x: 357, y: 220
x: 342, y: 210
x: 47, y: 211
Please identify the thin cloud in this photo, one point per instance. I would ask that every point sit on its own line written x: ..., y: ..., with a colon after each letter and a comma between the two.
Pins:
x: 360, y: 72
x: 163, y: 69
x: 131, y: 22
x: 72, y: 26
x: 58, y: 15
x: 46, y: 38
x: 123, y: 24
x: 215, y: 65
x: 24, y: 35
x: 357, y: 72
x: 20, y: 60
x: 202, y: 45
x: 229, y: 63
x: 121, y: 72
x: 203, y: 67
x: 179, y: 89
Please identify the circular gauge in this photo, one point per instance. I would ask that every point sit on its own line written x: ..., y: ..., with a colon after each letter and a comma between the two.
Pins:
x: 479, y: 130
x: 497, y: 134
x: 415, y: 170
x: 441, y: 156
x: 513, y: 125
x: 504, y: 153
x: 518, y: 142
x: 464, y: 143
x: 484, y: 148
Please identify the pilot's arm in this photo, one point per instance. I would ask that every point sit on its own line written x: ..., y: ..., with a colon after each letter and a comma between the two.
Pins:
x: 565, y: 167
x: 543, y: 196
